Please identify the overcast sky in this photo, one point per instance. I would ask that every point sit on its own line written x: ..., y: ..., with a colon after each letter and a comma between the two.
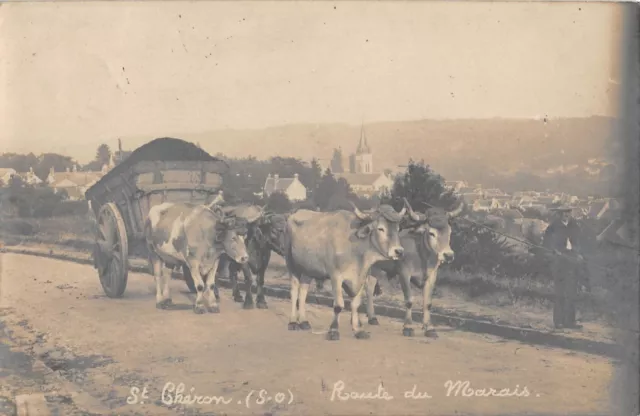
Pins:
x: 76, y: 74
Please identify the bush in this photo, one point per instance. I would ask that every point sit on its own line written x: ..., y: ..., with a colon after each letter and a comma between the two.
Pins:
x: 70, y: 208
x: 477, y: 248
x: 17, y: 226
x: 279, y: 203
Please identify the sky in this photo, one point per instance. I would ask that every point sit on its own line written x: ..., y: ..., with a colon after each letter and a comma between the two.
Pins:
x: 76, y: 74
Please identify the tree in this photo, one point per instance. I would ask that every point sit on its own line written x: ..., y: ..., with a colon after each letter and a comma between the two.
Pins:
x: 21, y: 163
x: 326, y: 189
x: 336, y: 161
x: 421, y: 186
x: 315, y: 175
x: 59, y: 163
x: 279, y: 203
x: 103, y: 154
x: 16, y: 182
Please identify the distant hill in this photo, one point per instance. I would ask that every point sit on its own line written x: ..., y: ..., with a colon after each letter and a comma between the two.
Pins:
x: 458, y: 149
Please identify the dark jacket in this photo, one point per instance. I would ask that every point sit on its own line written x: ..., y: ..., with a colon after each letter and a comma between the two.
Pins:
x: 556, y: 235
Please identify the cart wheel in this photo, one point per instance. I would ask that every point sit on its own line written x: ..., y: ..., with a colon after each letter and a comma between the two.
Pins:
x: 112, y: 251
x: 188, y: 278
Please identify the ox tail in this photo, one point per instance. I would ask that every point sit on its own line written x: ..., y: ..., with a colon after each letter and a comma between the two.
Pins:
x: 148, y: 238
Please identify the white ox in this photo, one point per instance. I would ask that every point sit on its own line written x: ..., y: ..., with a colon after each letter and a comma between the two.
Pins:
x: 426, y: 243
x: 196, y: 236
x: 340, y: 246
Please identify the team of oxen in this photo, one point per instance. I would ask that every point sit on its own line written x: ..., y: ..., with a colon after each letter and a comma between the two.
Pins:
x: 352, y: 249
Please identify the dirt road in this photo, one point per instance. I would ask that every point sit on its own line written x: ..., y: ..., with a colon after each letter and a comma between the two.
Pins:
x: 57, y: 312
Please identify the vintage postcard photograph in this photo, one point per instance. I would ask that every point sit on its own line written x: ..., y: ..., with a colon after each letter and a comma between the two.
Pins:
x: 319, y: 208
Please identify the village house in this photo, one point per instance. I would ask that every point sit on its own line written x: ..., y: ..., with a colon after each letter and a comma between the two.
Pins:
x: 546, y: 200
x: 30, y: 178
x: 503, y: 201
x: 485, y: 205
x: 492, y: 192
x: 367, y: 184
x: 470, y: 198
x: 291, y: 187
x: 6, y: 174
x: 73, y: 182
x: 456, y: 186
x: 511, y: 214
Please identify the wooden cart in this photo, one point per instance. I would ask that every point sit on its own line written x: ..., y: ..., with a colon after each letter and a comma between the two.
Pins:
x: 163, y: 170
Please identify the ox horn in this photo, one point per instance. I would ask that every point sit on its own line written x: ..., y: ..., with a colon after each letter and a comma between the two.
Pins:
x: 415, y: 216
x: 403, y: 210
x: 361, y: 215
x: 217, y: 200
x: 457, y: 211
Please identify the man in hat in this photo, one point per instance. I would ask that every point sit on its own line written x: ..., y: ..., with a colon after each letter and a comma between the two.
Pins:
x: 562, y: 236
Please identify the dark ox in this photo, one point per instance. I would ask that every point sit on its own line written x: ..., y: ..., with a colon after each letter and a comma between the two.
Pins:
x: 196, y: 236
x: 265, y: 234
x: 426, y: 241
x: 340, y: 246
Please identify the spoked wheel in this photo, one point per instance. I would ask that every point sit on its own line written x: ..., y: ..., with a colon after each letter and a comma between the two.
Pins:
x: 112, y: 251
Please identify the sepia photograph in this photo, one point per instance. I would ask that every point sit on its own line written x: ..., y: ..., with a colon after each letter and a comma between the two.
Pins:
x: 319, y: 208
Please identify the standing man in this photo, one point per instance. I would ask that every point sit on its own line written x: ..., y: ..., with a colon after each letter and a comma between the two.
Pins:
x: 562, y: 236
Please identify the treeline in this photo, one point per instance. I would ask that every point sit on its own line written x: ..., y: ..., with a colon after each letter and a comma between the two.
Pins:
x: 43, y: 163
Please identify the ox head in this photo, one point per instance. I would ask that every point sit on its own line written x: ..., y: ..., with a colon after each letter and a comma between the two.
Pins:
x: 382, y: 226
x: 230, y: 233
x: 271, y: 231
x: 435, y: 230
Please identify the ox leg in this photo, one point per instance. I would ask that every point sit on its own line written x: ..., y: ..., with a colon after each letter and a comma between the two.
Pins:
x: 302, y: 303
x: 210, y: 289
x: 163, y: 297
x: 233, y: 268
x: 338, y: 306
x: 295, y: 289
x: 199, y: 306
x: 248, y: 278
x: 427, y: 294
x: 371, y: 310
x: 405, y: 283
x: 261, y: 302
x: 355, y: 318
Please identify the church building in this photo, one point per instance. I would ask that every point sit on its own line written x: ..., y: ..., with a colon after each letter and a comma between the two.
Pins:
x: 362, y: 178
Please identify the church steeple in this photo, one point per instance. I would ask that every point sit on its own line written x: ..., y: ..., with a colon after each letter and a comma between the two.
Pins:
x: 362, y: 160
x: 363, y: 146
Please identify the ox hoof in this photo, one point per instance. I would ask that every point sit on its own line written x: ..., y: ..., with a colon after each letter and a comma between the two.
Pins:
x: 407, y: 332
x: 247, y: 305
x: 164, y: 304
x: 199, y: 309
x: 238, y: 298
x: 431, y: 333
x: 293, y: 326
x: 374, y: 321
x: 213, y: 309
x: 362, y: 335
x: 304, y: 326
x: 333, y: 335
x: 262, y: 305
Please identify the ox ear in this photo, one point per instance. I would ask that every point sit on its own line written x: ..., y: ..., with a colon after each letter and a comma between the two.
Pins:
x: 364, y: 231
